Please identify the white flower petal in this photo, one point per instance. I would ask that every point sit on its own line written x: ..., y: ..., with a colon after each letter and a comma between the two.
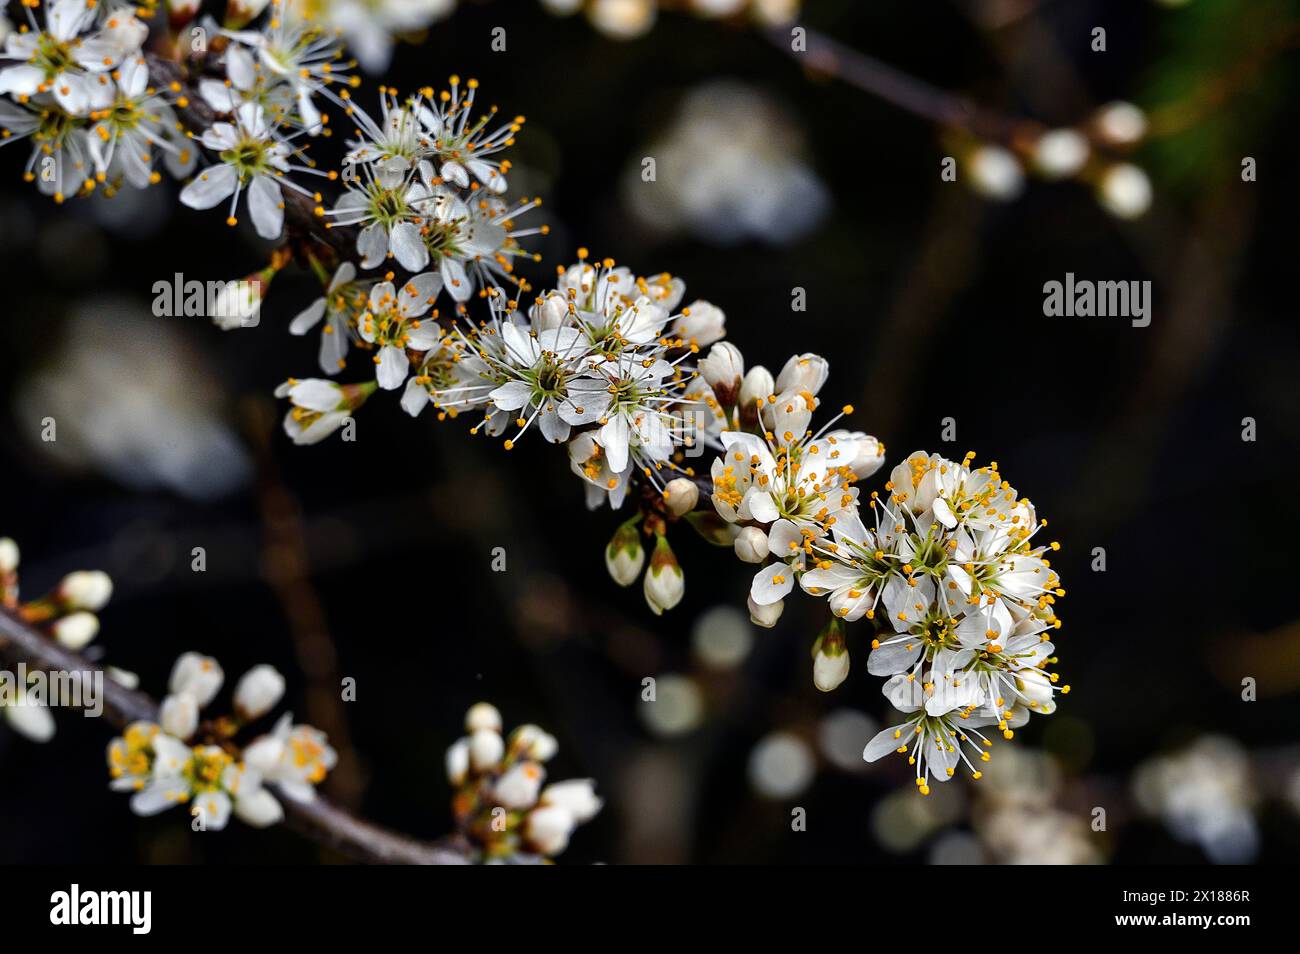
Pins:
x: 392, y: 368
x: 266, y: 206
x: 211, y: 187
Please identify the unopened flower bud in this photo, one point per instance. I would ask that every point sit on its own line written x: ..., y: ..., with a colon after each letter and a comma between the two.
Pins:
x: 624, y: 556
x: 803, y: 372
x: 180, y: 12
x: 197, y: 676
x: 482, y: 715
x: 457, y: 761
x: 485, y: 749
x: 751, y: 545
x: 259, y: 808
x: 238, y: 304
x: 517, y: 789
x: 995, y: 173
x: 123, y: 677
x: 258, y: 691
x: 241, y: 12
x: 8, y: 555
x: 869, y: 457
x: 179, y: 716
x: 534, y: 742
x: 757, y: 385
x: 1120, y: 123
x: 31, y: 720
x: 550, y: 312
x: 86, y: 590
x: 75, y: 631
x: 765, y: 616
x: 1060, y: 153
x: 788, y: 417
x: 681, y: 495
x: 664, y: 581
x: 1124, y: 191
x: 723, y: 368
x: 548, y: 828
x: 830, y: 657
x: 576, y: 796
x: 622, y: 19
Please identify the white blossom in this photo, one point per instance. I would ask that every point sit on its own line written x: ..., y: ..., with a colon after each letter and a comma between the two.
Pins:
x: 258, y: 692
x: 66, y: 60
x: 319, y: 407
x: 252, y: 158
x: 295, y: 757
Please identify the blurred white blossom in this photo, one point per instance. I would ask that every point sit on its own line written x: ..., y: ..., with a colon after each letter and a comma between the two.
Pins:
x: 1206, y: 795
x: 132, y: 399
x: 731, y: 167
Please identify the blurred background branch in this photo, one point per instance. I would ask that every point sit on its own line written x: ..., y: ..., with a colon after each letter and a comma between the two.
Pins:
x: 318, y: 819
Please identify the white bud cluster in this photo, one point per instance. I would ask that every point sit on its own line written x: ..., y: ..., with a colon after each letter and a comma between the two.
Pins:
x: 502, y: 804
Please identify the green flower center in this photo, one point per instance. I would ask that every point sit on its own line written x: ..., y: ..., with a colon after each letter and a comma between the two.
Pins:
x: 204, y: 771
x: 250, y: 158
x: 387, y: 206
x: 52, y: 56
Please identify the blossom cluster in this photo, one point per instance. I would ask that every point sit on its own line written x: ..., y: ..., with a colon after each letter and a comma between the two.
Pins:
x: 1093, y: 152
x: 80, y: 97
x: 417, y: 259
x: 502, y: 804
x: 184, y: 761
x: 944, y: 564
x: 609, y: 363
x: 603, y: 362
x: 67, y: 614
x: 424, y: 187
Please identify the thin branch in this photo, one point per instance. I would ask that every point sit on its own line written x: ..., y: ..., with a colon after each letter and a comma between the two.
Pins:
x: 832, y: 58
x: 319, y: 819
x: 825, y: 55
x: 287, y: 561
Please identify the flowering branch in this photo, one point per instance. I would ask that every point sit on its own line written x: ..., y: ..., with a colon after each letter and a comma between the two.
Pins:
x: 197, y: 115
x: 996, y: 148
x: 609, y: 363
x: 317, y: 819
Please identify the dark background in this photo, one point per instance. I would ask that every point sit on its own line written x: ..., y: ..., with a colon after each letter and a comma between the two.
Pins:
x: 372, y: 559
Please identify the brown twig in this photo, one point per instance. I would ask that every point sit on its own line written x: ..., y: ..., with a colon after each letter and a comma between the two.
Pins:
x: 825, y: 55
x: 287, y: 565
x: 319, y: 819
